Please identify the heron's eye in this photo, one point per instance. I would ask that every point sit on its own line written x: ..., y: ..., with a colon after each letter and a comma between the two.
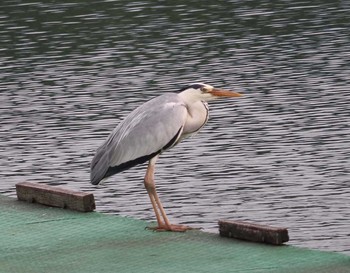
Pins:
x: 204, y: 89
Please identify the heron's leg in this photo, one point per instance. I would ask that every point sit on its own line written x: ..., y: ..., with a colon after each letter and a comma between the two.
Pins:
x: 151, y: 190
x: 150, y: 187
x: 162, y: 219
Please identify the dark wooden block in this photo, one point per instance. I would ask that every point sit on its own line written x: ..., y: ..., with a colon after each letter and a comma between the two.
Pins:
x: 55, y: 196
x: 253, y: 232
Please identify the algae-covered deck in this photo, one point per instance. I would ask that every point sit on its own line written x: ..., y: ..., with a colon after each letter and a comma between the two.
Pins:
x: 35, y: 238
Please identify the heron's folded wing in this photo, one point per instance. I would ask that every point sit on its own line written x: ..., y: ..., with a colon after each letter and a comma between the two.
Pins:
x: 145, y: 132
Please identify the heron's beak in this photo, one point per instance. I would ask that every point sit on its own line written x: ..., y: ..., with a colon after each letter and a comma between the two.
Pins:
x: 224, y: 93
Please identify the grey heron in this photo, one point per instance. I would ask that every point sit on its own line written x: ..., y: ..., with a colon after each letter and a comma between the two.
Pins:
x: 149, y: 130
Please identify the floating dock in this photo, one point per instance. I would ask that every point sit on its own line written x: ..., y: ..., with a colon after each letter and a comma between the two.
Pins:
x: 36, y: 238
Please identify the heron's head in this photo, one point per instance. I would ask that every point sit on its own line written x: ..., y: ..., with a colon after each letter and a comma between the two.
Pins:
x: 205, y: 92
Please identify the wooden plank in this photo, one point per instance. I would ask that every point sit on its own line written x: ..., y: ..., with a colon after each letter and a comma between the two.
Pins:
x: 55, y: 196
x: 253, y: 232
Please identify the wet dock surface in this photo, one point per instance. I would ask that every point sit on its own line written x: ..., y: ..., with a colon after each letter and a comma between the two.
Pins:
x: 37, y: 238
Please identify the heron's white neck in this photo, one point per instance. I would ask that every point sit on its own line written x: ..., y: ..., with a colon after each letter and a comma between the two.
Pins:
x: 197, y: 111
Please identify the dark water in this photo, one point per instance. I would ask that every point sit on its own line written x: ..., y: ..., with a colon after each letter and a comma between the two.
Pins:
x: 70, y: 70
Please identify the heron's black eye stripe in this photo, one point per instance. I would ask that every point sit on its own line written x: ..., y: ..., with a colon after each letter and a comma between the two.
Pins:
x: 194, y: 86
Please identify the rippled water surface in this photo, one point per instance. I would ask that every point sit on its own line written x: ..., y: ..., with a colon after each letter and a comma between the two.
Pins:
x: 71, y: 70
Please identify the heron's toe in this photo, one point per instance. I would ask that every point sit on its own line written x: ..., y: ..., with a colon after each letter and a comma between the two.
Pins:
x: 173, y: 228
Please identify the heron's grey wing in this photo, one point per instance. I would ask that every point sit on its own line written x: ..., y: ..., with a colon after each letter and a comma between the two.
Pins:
x: 147, y: 131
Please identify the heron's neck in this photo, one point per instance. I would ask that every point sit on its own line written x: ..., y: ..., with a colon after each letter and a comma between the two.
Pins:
x: 196, y: 118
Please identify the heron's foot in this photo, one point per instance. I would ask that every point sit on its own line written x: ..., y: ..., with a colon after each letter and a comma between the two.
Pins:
x: 173, y: 228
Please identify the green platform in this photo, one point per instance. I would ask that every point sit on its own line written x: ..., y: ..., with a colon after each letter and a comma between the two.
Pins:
x: 36, y: 238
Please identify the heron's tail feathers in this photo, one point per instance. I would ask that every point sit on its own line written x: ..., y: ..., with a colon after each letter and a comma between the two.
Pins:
x: 99, y: 167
